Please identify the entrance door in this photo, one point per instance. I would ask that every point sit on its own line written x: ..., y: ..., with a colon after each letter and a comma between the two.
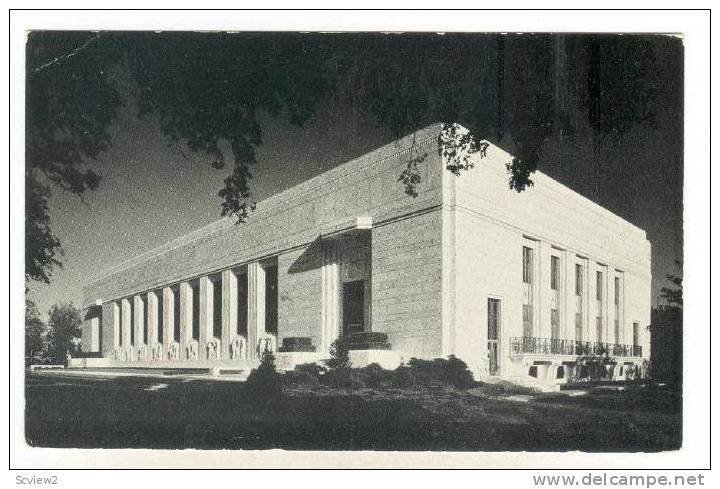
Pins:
x: 493, y: 333
x: 353, y: 306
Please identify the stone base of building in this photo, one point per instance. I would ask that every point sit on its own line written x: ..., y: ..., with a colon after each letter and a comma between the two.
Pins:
x: 555, y: 370
x: 387, y: 359
x: 161, y: 364
x: 285, y: 361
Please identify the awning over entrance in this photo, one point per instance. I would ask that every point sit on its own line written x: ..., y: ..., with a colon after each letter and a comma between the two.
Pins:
x: 360, y: 223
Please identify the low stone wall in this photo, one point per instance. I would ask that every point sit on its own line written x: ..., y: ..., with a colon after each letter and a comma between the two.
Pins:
x: 387, y: 359
x: 91, y: 362
x: 285, y: 361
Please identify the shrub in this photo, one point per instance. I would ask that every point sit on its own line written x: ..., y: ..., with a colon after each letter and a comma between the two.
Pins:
x: 296, y: 378
x: 307, y: 374
x: 502, y: 388
x: 344, y: 378
x: 374, y: 375
x: 439, y: 372
x: 339, y: 355
x: 458, y: 374
x: 264, y: 381
x: 311, y: 368
x: 405, y: 377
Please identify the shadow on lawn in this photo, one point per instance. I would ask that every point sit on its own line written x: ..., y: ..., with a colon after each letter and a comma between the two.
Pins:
x: 121, y: 413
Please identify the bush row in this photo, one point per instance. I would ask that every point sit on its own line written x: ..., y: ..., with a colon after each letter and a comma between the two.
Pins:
x: 438, y: 373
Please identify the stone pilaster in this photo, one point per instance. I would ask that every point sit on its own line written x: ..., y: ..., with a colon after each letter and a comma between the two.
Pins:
x: 567, y: 296
x: 95, y: 334
x: 591, y: 298
x: 186, y: 311
x: 139, y: 311
x: 152, y: 319
x: 126, y: 323
x: 229, y: 311
x: 205, y: 292
x: 588, y: 325
x: 623, y: 319
x: 168, y: 320
x: 112, y: 319
x: 330, y: 278
x: 607, y: 304
x: 256, y: 306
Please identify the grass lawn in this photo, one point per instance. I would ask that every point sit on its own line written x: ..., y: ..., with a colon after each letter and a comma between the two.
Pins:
x: 140, y: 412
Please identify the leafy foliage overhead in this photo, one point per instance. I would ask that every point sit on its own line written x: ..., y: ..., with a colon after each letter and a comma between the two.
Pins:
x: 207, y: 90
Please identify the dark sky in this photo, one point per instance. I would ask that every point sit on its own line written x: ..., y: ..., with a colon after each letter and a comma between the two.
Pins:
x: 151, y: 193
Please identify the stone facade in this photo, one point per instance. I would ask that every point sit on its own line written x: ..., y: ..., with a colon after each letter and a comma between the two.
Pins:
x: 349, y: 250
x: 489, y: 225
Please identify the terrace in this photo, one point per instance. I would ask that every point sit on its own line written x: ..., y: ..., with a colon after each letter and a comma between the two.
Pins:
x: 526, y: 345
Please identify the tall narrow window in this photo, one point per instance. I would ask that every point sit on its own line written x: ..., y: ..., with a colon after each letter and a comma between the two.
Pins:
x: 555, y: 297
x: 120, y: 323
x: 636, y: 350
x: 271, y: 299
x: 176, y: 314
x: 242, y: 303
x: 160, y: 321
x: 617, y: 310
x: 599, y: 297
x: 217, y: 307
x: 527, y: 291
x: 195, y: 288
x: 579, y: 276
x: 527, y: 321
x: 527, y: 265
x: 554, y: 272
x: 636, y: 331
x: 145, y: 316
x: 131, y: 301
x: 579, y: 304
x: 493, y: 327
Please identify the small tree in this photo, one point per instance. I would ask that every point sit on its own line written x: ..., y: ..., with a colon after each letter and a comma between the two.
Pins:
x: 35, y: 335
x: 264, y: 381
x: 339, y: 355
x: 64, y: 332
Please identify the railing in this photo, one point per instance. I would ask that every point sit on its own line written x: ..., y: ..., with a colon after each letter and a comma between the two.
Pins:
x: 555, y: 346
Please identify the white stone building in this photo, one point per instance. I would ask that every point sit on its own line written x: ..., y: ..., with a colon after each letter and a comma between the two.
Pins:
x: 534, y: 286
